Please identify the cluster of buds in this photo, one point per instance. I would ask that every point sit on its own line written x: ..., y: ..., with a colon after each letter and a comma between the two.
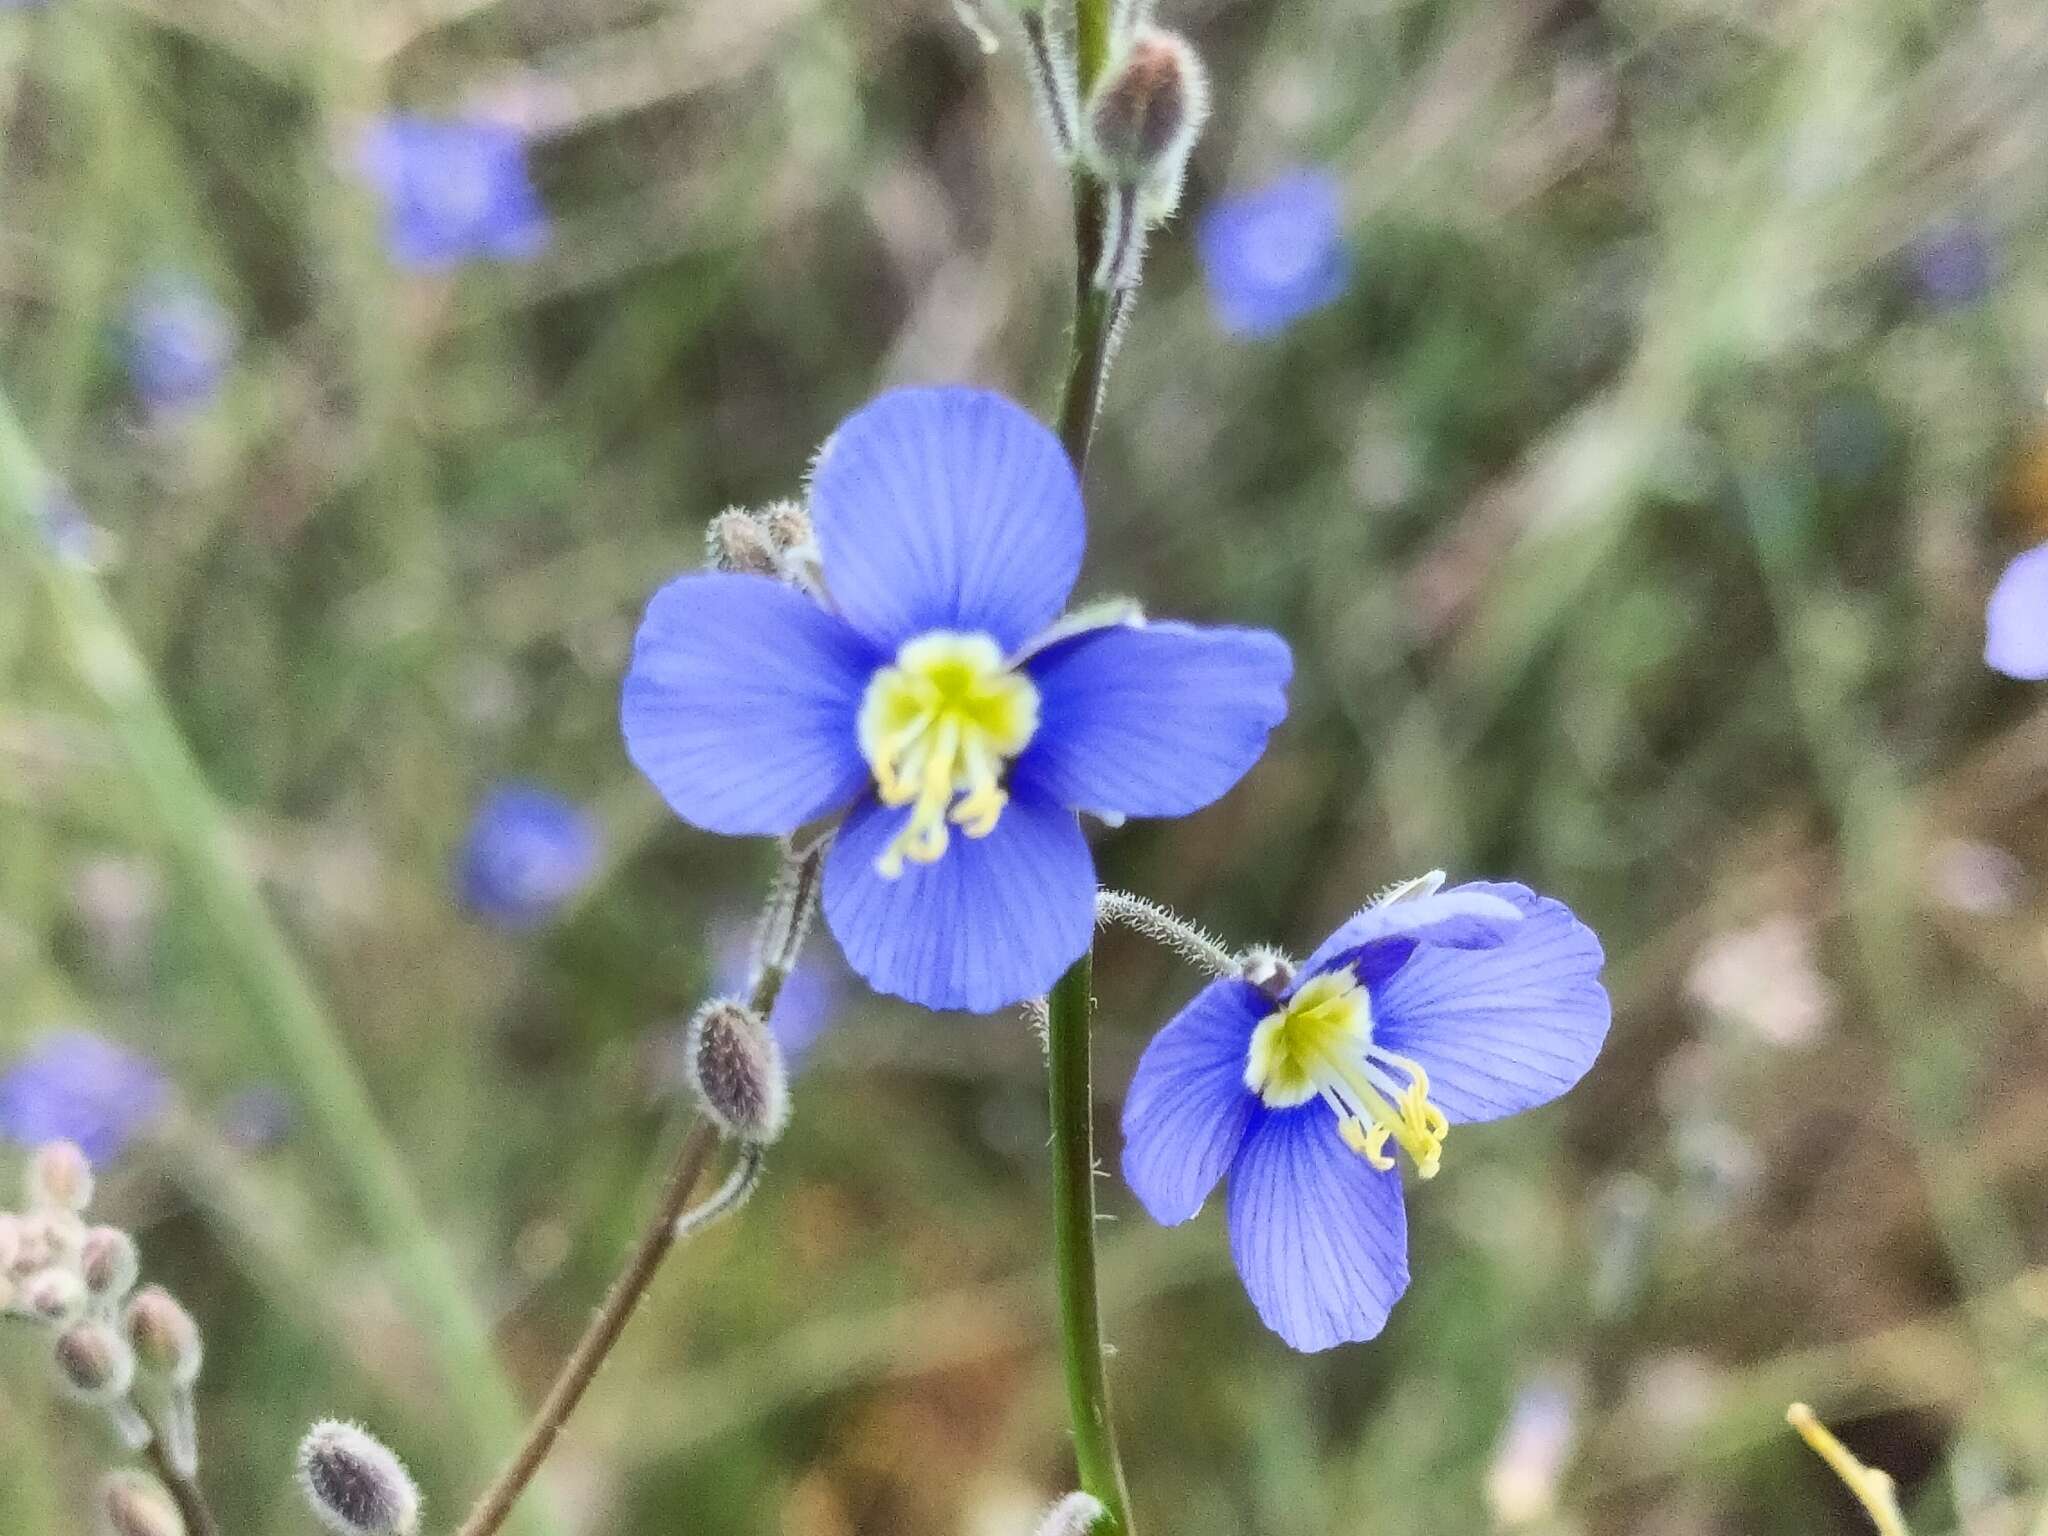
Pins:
x: 773, y: 541
x: 133, y: 1354
x: 1134, y: 132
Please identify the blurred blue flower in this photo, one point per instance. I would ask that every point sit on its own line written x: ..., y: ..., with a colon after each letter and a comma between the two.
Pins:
x: 930, y: 696
x: 77, y: 1086
x: 259, y: 1119
x: 454, y: 190
x: 1422, y: 1012
x: 528, y: 851
x: 1276, y: 254
x: 1953, y: 264
x: 810, y: 999
x: 2016, y: 621
x: 180, y: 342
x: 68, y: 531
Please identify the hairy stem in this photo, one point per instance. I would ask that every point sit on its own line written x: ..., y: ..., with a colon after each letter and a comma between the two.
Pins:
x: 784, y: 924
x: 184, y: 1492
x: 292, y: 1026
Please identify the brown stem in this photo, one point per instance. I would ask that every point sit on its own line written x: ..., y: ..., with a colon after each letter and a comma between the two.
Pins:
x: 588, y: 1358
x: 185, y: 1493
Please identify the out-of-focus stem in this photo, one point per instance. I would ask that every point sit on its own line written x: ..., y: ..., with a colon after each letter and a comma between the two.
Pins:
x: 185, y: 1493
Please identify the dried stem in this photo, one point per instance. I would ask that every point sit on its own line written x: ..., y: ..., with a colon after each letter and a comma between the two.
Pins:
x: 184, y: 1492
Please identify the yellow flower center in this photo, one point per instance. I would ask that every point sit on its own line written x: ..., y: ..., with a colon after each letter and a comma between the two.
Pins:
x: 938, y: 728
x: 1319, y: 1045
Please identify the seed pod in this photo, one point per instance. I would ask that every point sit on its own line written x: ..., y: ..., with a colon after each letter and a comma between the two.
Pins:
x: 108, y: 1263
x: 354, y: 1484
x: 132, y: 1505
x: 95, y: 1362
x: 736, y: 542
x: 166, y: 1340
x: 55, y: 1296
x: 59, y: 1178
x: 736, y: 1068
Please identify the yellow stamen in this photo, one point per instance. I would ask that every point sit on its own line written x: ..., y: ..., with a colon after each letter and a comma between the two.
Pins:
x: 938, y: 728
x: 1874, y: 1489
x: 1320, y: 1045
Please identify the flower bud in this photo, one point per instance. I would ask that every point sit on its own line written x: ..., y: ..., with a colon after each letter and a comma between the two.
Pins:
x: 132, y: 1505
x: 355, y: 1486
x: 1148, y: 110
x: 736, y: 1068
x: 736, y: 542
x: 95, y: 1362
x: 166, y: 1340
x: 1075, y: 1515
x: 786, y: 523
x: 49, y: 1239
x: 10, y: 1241
x: 108, y: 1263
x: 56, y: 1296
x: 59, y: 1178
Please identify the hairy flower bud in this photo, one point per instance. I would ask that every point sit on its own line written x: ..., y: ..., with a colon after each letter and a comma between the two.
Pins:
x: 1148, y: 110
x: 95, y: 1362
x: 59, y: 1178
x: 166, y: 1340
x: 736, y: 1068
x: 1075, y: 1515
x: 132, y: 1505
x: 56, y: 1296
x: 108, y: 1263
x: 735, y: 541
x: 786, y: 523
x: 354, y: 1484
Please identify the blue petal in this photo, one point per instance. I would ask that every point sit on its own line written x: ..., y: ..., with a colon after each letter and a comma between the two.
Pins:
x: 741, y: 701
x: 1464, y: 917
x: 1503, y: 1029
x: 947, y: 509
x: 1153, y: 720
x: 1319, y: 1235
x: 995, y: 920
x: 1188, y: 1107
x: 2016, y: 622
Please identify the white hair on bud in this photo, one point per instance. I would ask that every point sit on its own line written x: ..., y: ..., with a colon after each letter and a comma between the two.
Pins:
x: 354, y: 1484
x: 1075, y: 1515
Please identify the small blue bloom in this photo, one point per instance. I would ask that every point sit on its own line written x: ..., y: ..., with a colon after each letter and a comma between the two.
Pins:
x: 1276, y: 254
x: 811, y: 996
x: 1953, y: 264
x: 1424, y: 1011
x: 454, y: 190
x: 180, y: 343
x: 76, y: 1086
x: 2016, y: 622
x: 527, y: 853
x: 928, y: 695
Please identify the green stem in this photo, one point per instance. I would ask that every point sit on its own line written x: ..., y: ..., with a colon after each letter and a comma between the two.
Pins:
x: 1070, y: 1007
x: 201, y: 844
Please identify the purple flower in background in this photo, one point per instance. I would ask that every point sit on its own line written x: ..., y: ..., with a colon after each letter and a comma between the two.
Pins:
x: 811, y: 996
x: 2016, y: 621
x: 1424, y: 1011
x: 932, y: 697
x: 77, y: 1086
x: 180, y: 343
x: 454, y: 190
x: 1276, y: 254
x: 528, y: 851
x: 1953, y: 264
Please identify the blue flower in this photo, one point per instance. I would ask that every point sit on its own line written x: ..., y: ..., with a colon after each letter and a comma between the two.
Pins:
x: 76, y: 1086
x: 1274, y: 255
x: 927, y: 695
x: 2016, y: 621
x: 180, y: 343
x: 1423, y: 1012
x: 1953, y: 264
x: 454, y: 190
x: 528, y: 851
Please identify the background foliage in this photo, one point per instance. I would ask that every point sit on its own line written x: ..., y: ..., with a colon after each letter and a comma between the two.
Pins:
x: 1632, y: 518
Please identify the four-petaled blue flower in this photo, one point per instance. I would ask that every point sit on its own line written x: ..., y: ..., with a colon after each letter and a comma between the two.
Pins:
x: 928, y: 695
x: 454, y: 190
x: 2016, y: 622
x: 1424, y: 1011
x: 180, y: 342
x: 528, y: 851
x: 78, y: 1086
x: 1276, y: 254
